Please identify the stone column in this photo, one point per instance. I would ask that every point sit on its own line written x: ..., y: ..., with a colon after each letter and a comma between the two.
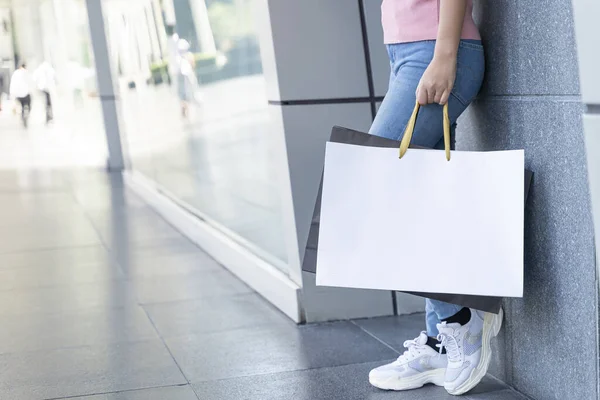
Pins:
x: 532, y: 100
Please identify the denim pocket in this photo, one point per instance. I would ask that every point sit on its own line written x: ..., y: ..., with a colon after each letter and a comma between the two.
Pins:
x: 471, y: 44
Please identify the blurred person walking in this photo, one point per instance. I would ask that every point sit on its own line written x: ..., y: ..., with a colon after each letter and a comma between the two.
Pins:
x: 44, y: 77
x: 20, y: 85
x: 186, y: 77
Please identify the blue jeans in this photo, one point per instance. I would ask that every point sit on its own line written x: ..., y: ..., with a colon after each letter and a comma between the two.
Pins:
x: 408, y: 63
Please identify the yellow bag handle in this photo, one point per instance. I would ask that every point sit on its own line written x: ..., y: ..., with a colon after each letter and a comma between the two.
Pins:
x: 408, y: 132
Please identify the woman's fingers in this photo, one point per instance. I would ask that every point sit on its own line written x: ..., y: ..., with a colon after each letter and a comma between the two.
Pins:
x: 429, y: 94
x: 422, y: 96
x: 444, y: 97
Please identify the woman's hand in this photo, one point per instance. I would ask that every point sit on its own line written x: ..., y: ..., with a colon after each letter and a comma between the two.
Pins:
x: 437, y: 81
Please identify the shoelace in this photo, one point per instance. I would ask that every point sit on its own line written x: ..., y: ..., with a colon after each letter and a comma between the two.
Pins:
x: 447, y: 340
x: 412, y: 351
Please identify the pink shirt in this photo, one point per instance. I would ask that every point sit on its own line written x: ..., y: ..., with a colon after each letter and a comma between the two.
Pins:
x: 414, y: 20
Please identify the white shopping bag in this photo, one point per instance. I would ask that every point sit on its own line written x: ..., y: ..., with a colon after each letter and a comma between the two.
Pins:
x: 422, y: 223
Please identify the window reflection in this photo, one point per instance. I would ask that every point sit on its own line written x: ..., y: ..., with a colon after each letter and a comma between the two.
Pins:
x: 195, y: 111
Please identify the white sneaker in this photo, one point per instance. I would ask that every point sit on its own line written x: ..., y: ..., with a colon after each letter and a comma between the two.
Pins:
x: 419, y: 365
x: 469, y: 350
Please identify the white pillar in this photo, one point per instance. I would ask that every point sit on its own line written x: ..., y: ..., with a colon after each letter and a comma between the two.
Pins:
x: 169, y: 10
x: 106, y: 86
x: 204, y: 32
x: 160, y: 27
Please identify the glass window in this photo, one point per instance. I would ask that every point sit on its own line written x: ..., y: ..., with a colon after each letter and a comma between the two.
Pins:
x: 196, y: 113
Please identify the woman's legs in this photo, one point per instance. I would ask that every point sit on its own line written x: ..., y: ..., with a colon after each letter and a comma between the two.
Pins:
x: 422, y: 364
x: 408, y: 63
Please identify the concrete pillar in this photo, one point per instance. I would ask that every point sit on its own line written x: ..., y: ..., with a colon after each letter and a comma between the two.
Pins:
x: 531, y: 100
x: 106, y: 87
x: 586, y: 15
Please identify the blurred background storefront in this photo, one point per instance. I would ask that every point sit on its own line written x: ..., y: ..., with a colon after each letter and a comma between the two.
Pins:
x: 217, y: 112
x: 195, y: 112
x: 55, y: 31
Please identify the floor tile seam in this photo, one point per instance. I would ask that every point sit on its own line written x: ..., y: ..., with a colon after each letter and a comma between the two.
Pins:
x: 136, y: 242
x: 147, y: 243
x: 89, y: 218
x: 49, y: 248
x: 200, y: 297
x: 73, y: 285
x: 286, y: 322
x: 63, y: 285
x: 120, y: 391
x: 191, y: 261
x: 98, y: 308
x: 87, y: 310
x: 194, y: 390
x: 137, y: 277
x: 228, y: 296
x: 44, y: 265
x: 43, y: 248
x: 113, y: 257
x: 83, y: 346
x: 376, y: 337
x: 289, y: 371
x: 217, y: 271
x: 164, y: 343
x: 77, y: 310
x: 225, y: 331
x: 185, y: 255
x: 36, y: 191
x: 52, y: 249
x: 507, y: 390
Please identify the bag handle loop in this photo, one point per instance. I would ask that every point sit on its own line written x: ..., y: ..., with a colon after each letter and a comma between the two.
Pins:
x: 410, y: 127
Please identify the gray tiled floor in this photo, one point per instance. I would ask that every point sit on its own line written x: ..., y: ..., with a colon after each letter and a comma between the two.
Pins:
x: 100, y: 299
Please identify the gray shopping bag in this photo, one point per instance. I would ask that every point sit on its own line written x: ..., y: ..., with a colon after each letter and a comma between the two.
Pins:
x: 349, y: 136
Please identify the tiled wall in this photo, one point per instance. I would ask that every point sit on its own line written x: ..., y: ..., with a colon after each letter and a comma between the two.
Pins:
x: 325, y: 64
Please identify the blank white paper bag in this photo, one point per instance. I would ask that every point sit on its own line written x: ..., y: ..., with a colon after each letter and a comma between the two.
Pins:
x: 422, y: 223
